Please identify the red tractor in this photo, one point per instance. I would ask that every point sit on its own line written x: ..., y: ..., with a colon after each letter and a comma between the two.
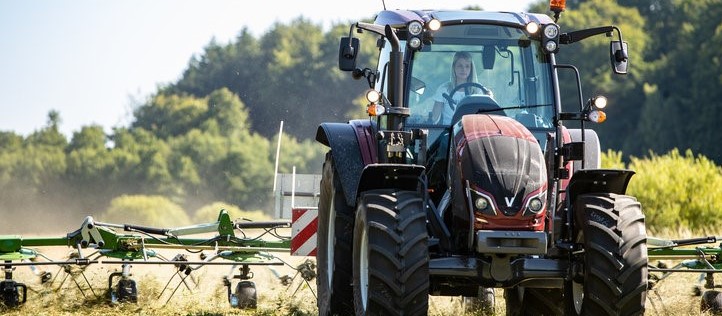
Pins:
x: 460, y: 188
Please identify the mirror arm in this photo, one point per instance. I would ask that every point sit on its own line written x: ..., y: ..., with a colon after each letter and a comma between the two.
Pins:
x: 576, y: 36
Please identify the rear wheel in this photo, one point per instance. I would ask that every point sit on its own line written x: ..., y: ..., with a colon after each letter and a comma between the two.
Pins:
x: 335, y: 234
x: 391, y: 255
x: 612, y: 278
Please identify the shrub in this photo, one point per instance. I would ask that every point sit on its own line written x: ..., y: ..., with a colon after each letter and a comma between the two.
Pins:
x: 209, y: 213
x: 151, y: 210
x: 674, y: 189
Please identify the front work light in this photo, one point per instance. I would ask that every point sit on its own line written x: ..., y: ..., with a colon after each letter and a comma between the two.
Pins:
x: 550, y: 38
x: 415, y: 28
x: 415, y: 42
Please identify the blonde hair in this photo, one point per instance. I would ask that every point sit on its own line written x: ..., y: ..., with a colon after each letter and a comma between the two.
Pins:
x: 472, y: 75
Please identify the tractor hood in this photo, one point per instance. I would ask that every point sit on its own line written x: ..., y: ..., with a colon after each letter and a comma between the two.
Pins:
x: 501, y: 162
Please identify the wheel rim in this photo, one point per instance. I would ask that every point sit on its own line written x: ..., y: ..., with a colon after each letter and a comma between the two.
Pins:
x: 577, y: 296
x: 330, y: 241
x: 364, y: 269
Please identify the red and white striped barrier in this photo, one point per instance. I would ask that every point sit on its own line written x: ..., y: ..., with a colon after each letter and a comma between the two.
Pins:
x: 304, y: 222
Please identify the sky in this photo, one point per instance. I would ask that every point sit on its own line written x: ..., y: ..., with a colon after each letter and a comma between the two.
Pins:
x: 94, y: 60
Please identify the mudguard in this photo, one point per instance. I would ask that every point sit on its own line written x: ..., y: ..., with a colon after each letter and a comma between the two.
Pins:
x: 598, y: 181
x: 353, y: 146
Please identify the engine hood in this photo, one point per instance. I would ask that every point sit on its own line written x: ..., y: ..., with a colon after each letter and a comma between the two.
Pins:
x: 501, y: 161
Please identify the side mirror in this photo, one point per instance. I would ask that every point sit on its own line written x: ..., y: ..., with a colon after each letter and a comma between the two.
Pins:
x: 619, y: 54
x: 347, y: 52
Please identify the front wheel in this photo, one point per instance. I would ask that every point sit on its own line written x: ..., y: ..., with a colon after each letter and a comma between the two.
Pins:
x: 390, y: 254
x: 612, y: 278
x: 335, y: 234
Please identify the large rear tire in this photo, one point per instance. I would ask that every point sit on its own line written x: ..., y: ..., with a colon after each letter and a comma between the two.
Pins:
x: 391, y: 254
x: 613, y: 269
x: 335, y: 235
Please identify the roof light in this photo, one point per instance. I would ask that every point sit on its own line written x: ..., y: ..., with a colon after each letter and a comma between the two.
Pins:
x: 532, y: 27
x: 434, y: 24
x: 599, y: 102
x: 373, y: 96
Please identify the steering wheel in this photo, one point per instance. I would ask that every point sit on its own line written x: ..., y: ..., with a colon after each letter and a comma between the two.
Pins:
x: 450, y: 97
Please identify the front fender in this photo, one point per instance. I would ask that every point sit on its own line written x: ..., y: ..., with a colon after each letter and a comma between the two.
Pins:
x: 598, y: 181
x: 353, y: 146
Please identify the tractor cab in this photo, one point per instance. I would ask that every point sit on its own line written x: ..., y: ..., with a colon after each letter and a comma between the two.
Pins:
x: 510, y: 77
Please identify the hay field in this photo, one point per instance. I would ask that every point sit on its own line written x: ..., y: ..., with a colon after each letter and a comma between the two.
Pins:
x: 207, y: 295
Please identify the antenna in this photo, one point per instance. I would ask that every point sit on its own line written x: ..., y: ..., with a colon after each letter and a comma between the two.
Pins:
x: 278, y: 152
x: 384, y: 4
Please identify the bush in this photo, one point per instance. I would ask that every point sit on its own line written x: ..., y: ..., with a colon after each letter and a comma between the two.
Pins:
x: 150, y: 210
x: 209, y: 213
x: 675, y: 190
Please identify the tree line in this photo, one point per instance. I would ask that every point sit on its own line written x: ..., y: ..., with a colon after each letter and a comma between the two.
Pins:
x: 211, y: 135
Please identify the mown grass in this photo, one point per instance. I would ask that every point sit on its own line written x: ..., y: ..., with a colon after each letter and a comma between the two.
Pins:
x: 207, y: 297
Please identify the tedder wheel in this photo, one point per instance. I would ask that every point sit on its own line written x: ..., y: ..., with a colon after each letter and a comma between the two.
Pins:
x: 533, y: 301
x: 390, y: 254
x: 612, y: 277
x: 246, y: 294
x: 127, y: 291
x: 335, y: 234
x: 482, y: 303
x: 711, y: 302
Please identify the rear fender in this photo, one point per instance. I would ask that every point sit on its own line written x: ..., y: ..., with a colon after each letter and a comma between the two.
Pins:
x: 353, y: 146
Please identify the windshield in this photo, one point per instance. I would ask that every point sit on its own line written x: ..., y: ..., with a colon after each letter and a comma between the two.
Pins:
x: 498, y: 64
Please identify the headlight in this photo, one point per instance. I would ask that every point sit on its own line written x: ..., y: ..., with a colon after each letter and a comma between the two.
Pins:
x: 415, y: 28
x: 535, y: 205
x: 415, y: 42
x: 550, y: 39
x: 550, y: 46
x: 483, y: 203
x: 551, y: 31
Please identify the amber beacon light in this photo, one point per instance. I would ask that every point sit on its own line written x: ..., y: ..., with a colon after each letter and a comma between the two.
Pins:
x: 557, y: 6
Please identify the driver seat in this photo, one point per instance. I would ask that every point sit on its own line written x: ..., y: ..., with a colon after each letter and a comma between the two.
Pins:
x: 473, y: 104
